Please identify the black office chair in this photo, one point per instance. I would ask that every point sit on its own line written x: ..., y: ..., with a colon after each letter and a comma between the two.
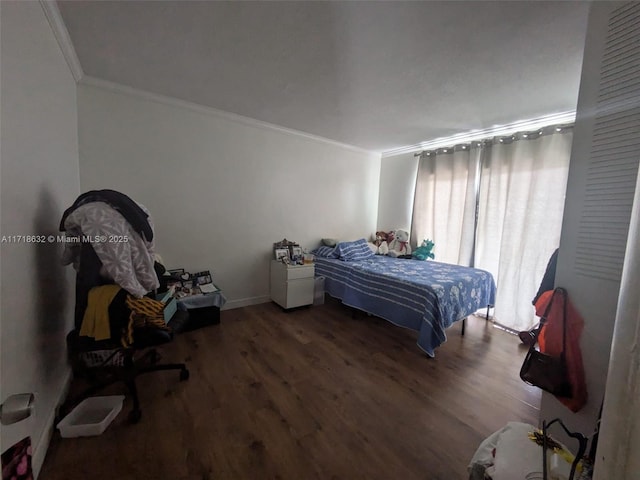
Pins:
x: 103, y: 363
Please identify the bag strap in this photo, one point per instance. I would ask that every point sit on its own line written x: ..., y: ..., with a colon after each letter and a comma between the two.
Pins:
x: 543, y: 320
x: 563, y: 294
x: 564, y: 320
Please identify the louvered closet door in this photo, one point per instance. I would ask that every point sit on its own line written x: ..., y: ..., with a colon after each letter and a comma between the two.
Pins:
x: 615, y: 151
x: 602, y: 178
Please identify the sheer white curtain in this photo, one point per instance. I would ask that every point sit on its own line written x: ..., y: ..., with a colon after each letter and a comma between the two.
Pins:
x: 522, y: 190
x: 445, y: 199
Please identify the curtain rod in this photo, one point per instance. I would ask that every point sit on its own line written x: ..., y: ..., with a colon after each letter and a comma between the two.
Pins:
x: 497, y: 130
x: 524, y: 135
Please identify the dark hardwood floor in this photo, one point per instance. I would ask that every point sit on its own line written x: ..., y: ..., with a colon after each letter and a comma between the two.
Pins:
x: 313, y: 393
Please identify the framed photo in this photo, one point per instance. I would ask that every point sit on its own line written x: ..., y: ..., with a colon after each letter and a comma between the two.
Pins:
x: 282, y: 253
x: 180, y: 274
x: 203, y: 277
x: 296, y: 252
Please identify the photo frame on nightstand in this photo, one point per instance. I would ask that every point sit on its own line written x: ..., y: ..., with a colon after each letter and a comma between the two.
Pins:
x: 281, y: 254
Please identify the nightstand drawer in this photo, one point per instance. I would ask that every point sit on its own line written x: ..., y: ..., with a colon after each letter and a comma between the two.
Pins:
x: 303, y: 271
x: 300, y: 292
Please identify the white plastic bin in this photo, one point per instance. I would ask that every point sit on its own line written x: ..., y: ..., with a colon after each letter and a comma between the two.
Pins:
x: 91, y: 417
x: 318, y: 291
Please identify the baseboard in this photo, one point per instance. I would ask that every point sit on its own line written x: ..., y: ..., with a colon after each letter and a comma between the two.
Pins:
x: 40, y: 450
x: 245, y: 302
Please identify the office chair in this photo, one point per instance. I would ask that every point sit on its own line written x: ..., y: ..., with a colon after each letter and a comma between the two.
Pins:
x: 105, y: 362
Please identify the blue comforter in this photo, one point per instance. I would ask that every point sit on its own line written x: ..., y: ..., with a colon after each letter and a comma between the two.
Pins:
x: 424, y: 296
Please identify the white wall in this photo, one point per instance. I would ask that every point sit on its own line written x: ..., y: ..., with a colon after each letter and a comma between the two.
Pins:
x: 620, y: 430
x: 39, y: 179
x: 397, y: 187
x: 222, y: 190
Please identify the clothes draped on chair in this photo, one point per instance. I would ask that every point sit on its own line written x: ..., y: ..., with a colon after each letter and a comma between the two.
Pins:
x: 116, y: 243
x: 111, y: 248
x: 126, y: 256
x: 95, y: 323
x: 145, y: 312
x: 135, y: 214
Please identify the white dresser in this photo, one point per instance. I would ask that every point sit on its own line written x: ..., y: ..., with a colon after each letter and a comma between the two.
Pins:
x: 292, y: 285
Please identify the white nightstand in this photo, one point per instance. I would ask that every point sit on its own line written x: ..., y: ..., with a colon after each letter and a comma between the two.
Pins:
x: 292, y: 285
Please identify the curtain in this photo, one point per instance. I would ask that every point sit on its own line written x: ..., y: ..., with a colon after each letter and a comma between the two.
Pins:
x: 497, y: 205
x: 522, y: 190
x: 445, y: 202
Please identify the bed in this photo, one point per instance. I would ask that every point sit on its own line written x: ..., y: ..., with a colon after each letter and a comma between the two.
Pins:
x: 425, y: 296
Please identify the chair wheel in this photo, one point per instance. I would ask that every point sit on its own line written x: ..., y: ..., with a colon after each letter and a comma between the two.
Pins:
x: 134, y: 416
x: 184, y: 375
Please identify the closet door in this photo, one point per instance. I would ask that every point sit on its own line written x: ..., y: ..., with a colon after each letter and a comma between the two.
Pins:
x: 600, y: 192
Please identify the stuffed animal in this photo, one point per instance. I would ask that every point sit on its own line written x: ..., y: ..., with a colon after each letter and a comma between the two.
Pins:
x: 379, y: 245
x: 400, y: 244
x: 424, y: 251
x: 390, y: 236
x: 380, y: 238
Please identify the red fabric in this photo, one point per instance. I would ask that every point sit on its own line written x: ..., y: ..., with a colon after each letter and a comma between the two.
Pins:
x: 550, y: 341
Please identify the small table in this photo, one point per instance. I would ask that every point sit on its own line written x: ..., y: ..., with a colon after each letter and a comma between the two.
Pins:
x: 203, y: 308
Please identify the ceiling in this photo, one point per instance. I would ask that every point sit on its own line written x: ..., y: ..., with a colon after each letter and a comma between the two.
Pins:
x: 377, y: 75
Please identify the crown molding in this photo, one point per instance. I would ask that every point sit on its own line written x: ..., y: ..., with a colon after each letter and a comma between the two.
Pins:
x: 61, y: 33
x: 196, y: 107
x: 495, y: 131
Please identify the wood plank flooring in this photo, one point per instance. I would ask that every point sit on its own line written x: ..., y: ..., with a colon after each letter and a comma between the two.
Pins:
x: 312, y: 393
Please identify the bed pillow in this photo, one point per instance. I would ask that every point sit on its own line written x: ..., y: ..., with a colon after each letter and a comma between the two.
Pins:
x: 354, y: 251
x: 329, y: 242
x: 325, y: 252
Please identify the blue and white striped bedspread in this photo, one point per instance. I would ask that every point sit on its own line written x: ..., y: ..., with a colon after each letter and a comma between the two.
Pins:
x: 425, y: 296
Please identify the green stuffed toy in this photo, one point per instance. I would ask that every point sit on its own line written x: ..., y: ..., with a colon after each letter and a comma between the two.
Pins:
x: 424, y: 251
